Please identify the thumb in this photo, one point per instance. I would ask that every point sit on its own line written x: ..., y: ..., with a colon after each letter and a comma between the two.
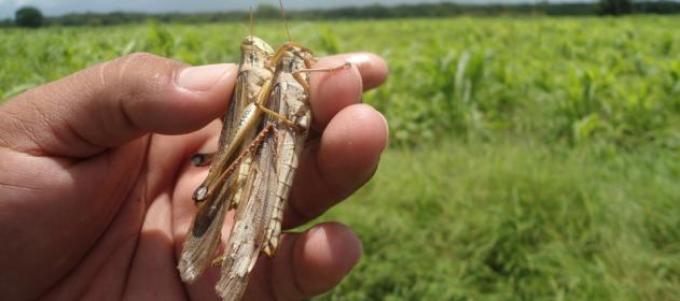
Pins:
x: 111, y: 103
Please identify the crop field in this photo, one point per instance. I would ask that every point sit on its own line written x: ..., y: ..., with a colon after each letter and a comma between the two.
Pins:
x: 530, y: 158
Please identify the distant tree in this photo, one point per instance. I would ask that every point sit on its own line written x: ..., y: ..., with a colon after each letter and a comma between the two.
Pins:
x: 6, y: 23
x: 540, y: 6
x: 616, y: 7
x: 28, y: 16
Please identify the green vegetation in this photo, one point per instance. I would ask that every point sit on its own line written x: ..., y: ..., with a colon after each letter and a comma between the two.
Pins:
x: 513, y: 221
x: 531, y: 159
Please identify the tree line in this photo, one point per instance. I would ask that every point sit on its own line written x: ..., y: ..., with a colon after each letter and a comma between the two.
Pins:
x: 32, y: 17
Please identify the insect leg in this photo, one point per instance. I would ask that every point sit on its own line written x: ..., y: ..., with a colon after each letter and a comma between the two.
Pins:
x: 303, y: 82
x: 344, y: 65
x: 205, y: 192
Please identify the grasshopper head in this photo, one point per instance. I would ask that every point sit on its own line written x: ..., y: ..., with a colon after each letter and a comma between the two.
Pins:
x: 254, y: 44
x: 255, y: 51
x: 291, y: 57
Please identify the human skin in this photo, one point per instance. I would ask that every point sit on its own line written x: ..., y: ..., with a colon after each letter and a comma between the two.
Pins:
x: 96, y: 184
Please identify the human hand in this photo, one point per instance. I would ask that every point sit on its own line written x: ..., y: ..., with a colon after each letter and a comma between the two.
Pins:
x: 95, y: 181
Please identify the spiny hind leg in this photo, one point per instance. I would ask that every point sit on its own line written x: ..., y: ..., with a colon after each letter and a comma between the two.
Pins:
x: 205, y: 191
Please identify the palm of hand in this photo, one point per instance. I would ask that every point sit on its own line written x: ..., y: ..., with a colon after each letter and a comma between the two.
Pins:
x: 129, y: 247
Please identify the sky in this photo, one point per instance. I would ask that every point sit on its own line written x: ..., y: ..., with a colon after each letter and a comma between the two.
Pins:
x: 59, y: 7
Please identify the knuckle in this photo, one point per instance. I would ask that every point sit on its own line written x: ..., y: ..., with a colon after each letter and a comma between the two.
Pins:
x: 141, y: 73
x: 134, y: 64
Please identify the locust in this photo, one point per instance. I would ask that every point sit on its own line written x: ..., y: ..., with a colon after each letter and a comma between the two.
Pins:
x: 257, y: 225
x: 219, y: 191
x: 264, y: 131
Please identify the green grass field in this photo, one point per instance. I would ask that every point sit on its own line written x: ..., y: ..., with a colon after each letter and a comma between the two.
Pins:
x: 531, y: 158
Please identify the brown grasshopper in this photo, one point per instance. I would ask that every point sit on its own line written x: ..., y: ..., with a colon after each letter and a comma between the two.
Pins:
x: 262, y: 137
x: 238, y: 128
x: 257, y: 224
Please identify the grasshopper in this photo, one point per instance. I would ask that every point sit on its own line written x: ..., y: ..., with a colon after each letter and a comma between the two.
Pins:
x: 260, y: 143
x: 254, y: 74
x: 257, y: 224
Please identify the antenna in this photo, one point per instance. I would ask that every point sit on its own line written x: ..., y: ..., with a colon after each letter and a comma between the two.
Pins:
x: 285, y: 22
x: 252, y: 27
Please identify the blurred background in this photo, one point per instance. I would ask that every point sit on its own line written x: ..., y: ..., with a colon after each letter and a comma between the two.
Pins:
x: 535, y: 145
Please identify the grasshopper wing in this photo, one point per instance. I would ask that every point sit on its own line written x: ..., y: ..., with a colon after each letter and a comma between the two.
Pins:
x: 203, y: 239
x: 247, y: 235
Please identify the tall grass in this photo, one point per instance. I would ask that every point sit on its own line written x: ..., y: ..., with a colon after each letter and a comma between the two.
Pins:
x: 516, y: 221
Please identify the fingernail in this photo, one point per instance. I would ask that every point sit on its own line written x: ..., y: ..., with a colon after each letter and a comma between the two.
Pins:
x: 359, y: 59
x: 387, y: 129
x: 202, y: 78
